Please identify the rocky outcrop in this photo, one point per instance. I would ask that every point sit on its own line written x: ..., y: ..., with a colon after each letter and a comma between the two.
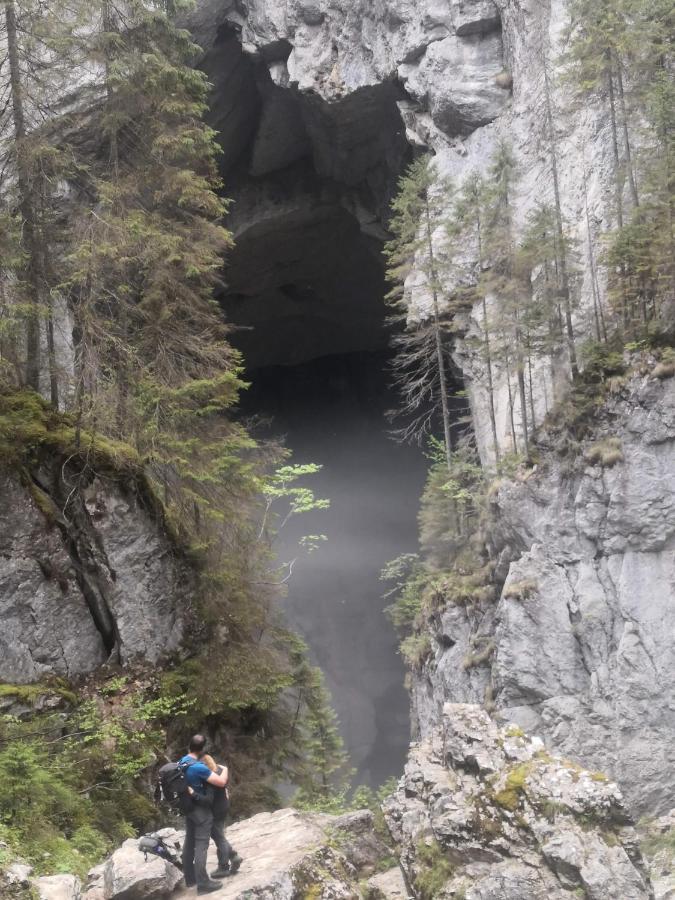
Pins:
x: 481, y: 813
x: 486, y: 814
x: 98, y: 581
x: 580, y: 647
x: 288, y: 855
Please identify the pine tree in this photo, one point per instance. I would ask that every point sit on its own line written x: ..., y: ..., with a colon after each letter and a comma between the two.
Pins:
x: 597, y: 36
x: 421, y: 364
x: 561, y: 240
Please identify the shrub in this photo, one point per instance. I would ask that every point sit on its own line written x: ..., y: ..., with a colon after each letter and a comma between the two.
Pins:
x: 606, y: 453
x: 416, y: 650
x: 479, y: 657
x: 433, y: 869
x: 664, y: 370
x: 520, y: 590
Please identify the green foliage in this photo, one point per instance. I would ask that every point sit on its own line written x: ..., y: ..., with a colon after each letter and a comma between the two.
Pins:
x: 432, y: 869
x: 483, y: 652
x: 510, y: 795
x: 620, y: 55
x: 72, y: 788
x: 416, y: 650
x: 421, y: 364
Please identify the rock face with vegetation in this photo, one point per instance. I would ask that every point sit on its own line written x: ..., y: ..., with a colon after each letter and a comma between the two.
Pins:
x: 577, y: 647
x: 485, y: 813
x: 568, y: 632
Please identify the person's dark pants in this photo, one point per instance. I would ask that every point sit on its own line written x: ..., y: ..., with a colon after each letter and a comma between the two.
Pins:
x: 223, y: 846
x: 198, y: 824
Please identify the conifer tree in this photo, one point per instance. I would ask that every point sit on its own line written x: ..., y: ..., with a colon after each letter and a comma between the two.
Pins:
x: 503, y: 279
x: 469, y: 215
x: 421, y: 364
x: 33, y: 79
x: 561, y: 240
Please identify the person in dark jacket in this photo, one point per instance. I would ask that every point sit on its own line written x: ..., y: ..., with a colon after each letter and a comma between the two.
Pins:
x: 199, y: 821
x: 228, y: 858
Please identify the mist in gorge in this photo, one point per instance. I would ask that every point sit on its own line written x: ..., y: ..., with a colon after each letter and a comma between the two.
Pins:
x: 331, y: 411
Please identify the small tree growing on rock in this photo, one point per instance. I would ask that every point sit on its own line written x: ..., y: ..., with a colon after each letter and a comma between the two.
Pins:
x: 421, y: 363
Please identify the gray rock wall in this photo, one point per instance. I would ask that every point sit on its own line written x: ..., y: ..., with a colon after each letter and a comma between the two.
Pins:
x: 585, y: 657
x: 75, y: 591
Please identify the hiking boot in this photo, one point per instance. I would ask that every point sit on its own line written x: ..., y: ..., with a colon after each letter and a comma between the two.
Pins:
x: 209, y: 888
x: 235, y: 862
x: 221, y: 872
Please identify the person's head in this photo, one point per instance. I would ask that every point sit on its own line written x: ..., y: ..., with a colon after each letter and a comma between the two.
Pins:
x: 197, y: 744
x: 210, y: 762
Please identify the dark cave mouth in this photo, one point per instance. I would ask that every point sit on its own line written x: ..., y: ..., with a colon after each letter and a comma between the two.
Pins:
x: 311, y: 184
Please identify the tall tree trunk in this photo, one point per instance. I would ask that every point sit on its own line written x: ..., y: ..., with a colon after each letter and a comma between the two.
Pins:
x: 626, y: 136
x: 618, y: 186
x: 46, y: 269
x: 560, y: 234
x: 486, y: 344
x: 27, y: 204
x: 600, y: 330
x: 123, y: 379
x: 510, y: 393
x: 440, y: 356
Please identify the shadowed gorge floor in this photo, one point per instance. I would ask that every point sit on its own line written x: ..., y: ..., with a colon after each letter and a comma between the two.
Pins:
x: 331, y: 411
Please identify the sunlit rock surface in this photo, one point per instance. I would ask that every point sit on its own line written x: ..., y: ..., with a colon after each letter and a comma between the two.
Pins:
x: 287, y: 855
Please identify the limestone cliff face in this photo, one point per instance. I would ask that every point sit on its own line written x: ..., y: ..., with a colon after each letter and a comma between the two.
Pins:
x: 581, y: 636
x: 97, y: 582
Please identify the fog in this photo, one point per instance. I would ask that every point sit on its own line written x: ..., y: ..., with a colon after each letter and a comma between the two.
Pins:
x: 332, y: 411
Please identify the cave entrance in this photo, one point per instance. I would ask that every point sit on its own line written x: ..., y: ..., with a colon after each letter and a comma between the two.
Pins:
x: 311, y: 184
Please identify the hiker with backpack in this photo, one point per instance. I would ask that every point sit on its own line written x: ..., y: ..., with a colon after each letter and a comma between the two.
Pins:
x: 186, y: 786
x: 228, y: 858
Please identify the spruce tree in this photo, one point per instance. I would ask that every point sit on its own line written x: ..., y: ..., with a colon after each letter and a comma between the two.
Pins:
x: 421, y: 364
x: 34, y: 79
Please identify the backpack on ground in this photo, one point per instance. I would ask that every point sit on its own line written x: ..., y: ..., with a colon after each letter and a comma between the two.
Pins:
x: 156, y: 846
x: 173, y: 786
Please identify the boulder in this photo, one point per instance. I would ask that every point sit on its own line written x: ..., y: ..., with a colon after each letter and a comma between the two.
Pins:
x: 129, y: 876
x: 18, y: 873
